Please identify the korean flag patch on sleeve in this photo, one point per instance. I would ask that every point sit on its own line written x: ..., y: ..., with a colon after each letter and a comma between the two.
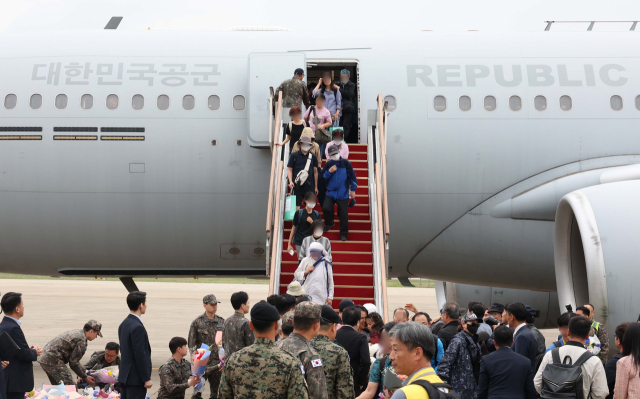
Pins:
x: 316, y: 363
x: 302, y: 368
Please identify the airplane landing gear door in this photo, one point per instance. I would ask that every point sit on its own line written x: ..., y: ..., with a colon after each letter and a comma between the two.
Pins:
x: 267, y: 70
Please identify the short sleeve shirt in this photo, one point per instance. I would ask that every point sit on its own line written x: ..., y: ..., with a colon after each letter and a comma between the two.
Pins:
x: 303, y: 227
x: 375, y: 374
x: 299, y: 165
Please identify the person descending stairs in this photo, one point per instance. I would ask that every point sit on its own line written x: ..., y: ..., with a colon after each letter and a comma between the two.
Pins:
x: 352, y: 259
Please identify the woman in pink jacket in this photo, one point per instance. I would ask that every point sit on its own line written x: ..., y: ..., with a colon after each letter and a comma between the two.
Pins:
x: 323, y: 114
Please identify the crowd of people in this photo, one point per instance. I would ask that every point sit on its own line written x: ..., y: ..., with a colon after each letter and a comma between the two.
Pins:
x: 293, y: 347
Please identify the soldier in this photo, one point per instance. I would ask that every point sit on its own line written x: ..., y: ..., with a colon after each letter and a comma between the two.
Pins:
x: 287, y: 325
x: 601, y: 332
x: 203, y: 331
x: 306, y: 323
x: 101, y: 359
x: 335, y: 359
x: 262, y: 371
x: 68, y: 347
x: 236, y: 333
x: 294, y: 91
x: 175, y: 372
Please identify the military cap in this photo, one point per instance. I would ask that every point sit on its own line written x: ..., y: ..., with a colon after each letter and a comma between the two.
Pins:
x: 263, y: 311
x: 329, y: 315
x: 97, y: 326
x: 287, y: 319
x: 345, y: 303
x: 299, y: 71
x: 210, y: 299
x: 308, y: 309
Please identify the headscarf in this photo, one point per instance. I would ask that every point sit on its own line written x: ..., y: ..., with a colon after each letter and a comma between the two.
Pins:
x: 317, y: 247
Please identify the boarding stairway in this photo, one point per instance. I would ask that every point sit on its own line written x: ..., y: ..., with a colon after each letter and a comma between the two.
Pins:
x: 359, y: 264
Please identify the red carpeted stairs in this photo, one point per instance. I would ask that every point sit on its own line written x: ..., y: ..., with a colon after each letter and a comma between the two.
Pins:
x: 352, y: 259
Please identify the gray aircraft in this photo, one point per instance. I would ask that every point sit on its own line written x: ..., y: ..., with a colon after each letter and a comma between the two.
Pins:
x: 512, y: 158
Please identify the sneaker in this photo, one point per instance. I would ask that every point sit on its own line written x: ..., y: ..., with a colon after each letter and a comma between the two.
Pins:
x: 329, y: 226
x: 343, y: 238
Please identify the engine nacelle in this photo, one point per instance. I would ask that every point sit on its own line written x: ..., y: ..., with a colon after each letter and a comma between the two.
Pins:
x: 597, y: 251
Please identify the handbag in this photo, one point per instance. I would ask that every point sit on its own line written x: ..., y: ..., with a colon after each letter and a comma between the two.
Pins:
x: 323, y: 136
x: 289, y: 207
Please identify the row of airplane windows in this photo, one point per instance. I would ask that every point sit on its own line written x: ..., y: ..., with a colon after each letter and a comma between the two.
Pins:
x: 515, y: 103
x: 113, y: 101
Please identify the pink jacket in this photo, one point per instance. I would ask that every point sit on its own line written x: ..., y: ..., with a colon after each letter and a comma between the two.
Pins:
x: 344, y: 150
x: 324, y: 116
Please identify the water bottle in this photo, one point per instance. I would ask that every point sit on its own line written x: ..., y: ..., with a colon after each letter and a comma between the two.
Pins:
x: 221, y: 353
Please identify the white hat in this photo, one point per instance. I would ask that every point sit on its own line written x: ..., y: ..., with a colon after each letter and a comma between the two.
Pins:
x: 295, y: 289
x: 371, y: 308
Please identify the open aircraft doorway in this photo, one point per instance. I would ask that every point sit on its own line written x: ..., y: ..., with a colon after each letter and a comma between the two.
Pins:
x: 315, y: 68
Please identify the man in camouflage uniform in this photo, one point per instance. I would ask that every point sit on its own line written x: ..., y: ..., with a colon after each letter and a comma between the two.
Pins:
x: 306, y: 324
x: 294, y: 91
x: 287, y: 325
x: 262, y: 371
x: 203, y: 331
x: 102, y: 359
x: 236, y: 333
x: 68, y: 347
x: 175, y: 373
x: 335, y: 359
x: 602, y: 333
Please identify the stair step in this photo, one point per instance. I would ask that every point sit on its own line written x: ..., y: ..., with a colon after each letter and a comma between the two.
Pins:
x: 338, y: 267
x: 338, y: 256
x: 344, y: 246
x: 340, y: 279
x: 353, y: 224
x: 333, y: 234
x: 357, y: 156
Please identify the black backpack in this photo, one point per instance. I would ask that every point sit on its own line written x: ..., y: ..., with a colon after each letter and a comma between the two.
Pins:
x: 433, y: 389
x: 563, y: 379
x: 539, y: 358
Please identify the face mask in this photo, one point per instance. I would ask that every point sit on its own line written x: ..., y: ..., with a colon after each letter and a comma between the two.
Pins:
x: 344, y: 81
x: 318, y: 232
x: 311, y: 204
x: 305, y: 147
x: 472, y: 328
x: 336, y: 157
x: 337, y: 141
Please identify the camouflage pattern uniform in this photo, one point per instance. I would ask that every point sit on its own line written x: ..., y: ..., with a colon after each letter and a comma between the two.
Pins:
x: 97, y: 362
x: 262, y: 371
x: 337, y: 370
x: 287, y: 322
x: 299, y: 346
x: 203, y: 331
x: 603, y: 335
x: 68, y: 347
x: 294, y: 93
x: 174, y: 379
x: 236, y: 334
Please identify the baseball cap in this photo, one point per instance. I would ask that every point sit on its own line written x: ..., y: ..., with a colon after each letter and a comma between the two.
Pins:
x: 497, y: 308
x: 299, y: 71
x: 345, y: 303
x: 263, y: 311
x: 95, y: 325
x: 371, y: 308
x: 470, y: 317
x: 346, y: 72
x: 210, y: 299
x: 333, y: 150
x: 308, y: 309
x: 330, y: 315
x: 295, y: 289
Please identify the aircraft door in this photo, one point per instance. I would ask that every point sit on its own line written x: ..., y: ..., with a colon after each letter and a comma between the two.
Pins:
x: 267, y: 70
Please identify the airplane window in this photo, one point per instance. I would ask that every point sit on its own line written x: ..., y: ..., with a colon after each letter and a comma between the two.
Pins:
x: 540, y: 103
x: 35, y: 102
x: 86, y: 101
x: 10, y: 101
x: 213, y: 102
x: 440, y: 103
x: 616, y: 103
x: 391, y: 100
x: 565, y: 103
x: 515, y: 103
x: 163, y: 102
x: 638, y: 103
x: 188, y: 102
x: 490, y: 103
x: 112, y: 101
x: 61, y: 101
x: 137, y: 102
x: 238, y: 102
x: 465, y: 103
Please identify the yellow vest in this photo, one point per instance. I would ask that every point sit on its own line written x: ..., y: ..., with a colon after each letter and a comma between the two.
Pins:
x: 416, y: 391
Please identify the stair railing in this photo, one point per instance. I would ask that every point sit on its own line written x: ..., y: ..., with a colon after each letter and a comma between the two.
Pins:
x: 274, y: 210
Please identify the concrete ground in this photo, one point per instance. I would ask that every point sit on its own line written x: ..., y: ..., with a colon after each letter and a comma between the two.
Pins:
x: 56, y: 306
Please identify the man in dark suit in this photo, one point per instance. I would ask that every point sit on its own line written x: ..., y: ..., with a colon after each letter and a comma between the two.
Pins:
x: 135, y: 366
x: 358, y: 347
x: 505, y: 374
x: 524, y: 342
x: 18, y: 375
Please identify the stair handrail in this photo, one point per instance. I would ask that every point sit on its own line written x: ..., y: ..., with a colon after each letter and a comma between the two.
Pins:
x: 382, y: 135
x: 275, y: 150
x: 379, y: 264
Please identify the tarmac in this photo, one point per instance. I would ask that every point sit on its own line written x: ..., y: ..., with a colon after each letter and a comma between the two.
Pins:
x: 55, y: 306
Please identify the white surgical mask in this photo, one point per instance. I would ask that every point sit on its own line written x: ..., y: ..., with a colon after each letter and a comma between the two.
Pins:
x: 318, y: 232
x: 305, y: 147
x: 337, y: 141
x: 311, y: 204
x: 344, y: 81
x: 336, y: 157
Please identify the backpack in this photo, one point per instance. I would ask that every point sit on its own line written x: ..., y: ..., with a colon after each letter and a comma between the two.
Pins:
x: 539, y: 358
x: 303, y: 175
x: 323, y: 136
x: 562, y: 378
x: 433, y: 389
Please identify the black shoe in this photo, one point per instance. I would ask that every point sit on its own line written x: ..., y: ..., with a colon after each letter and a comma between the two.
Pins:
x: 329, y: 226
x: 343, y: 238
